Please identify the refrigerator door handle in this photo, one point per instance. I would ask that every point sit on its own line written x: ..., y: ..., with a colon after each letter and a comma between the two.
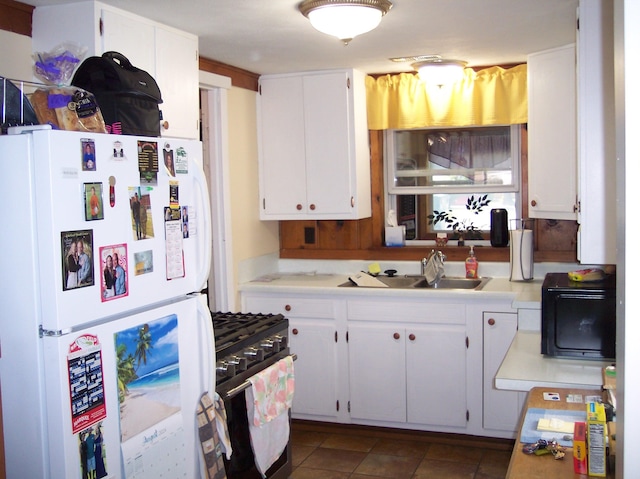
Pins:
x: 208, y: 343
x: 204, y: 225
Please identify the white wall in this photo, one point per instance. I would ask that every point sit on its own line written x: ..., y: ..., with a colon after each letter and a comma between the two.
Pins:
x: 251, y: 237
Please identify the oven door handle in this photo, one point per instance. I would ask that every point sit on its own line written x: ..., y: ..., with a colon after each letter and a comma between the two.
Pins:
x: 238, y: 389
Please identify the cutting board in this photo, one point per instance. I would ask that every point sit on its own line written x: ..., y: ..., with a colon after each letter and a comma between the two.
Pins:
x: 366, y: 280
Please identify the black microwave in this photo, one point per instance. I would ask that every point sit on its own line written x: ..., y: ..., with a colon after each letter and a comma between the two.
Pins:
x: 578, y: 318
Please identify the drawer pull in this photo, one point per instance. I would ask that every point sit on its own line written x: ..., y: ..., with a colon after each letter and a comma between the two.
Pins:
x: 287, y: 307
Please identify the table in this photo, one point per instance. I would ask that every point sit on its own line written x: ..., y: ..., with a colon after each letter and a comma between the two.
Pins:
x: 526, y: 466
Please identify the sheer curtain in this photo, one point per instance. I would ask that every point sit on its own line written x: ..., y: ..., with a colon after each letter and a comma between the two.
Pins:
x: 493, y: 96
x: 463, y: 148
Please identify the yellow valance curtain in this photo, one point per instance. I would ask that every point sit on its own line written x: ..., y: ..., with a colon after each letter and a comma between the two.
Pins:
x: 493, y: 96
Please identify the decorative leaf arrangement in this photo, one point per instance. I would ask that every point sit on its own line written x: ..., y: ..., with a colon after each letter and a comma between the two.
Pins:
x: 463, y: 228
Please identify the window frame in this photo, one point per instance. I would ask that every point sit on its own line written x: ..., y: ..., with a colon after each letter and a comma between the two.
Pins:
x: 392, y: 192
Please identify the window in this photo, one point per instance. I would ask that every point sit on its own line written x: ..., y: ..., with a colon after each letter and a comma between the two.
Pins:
x: 439, y: 178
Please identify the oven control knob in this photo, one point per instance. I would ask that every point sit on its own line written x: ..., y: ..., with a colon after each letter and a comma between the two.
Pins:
x: 239, y: 363
x: 254, y: 354
x: 268, y: 344
x: 226, y: 369
x: 282, y: 340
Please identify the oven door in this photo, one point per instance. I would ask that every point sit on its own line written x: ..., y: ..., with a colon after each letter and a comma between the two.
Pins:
x: 241, y: 465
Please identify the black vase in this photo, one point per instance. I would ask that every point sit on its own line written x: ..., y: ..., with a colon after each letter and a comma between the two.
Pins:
x: 499, y: 229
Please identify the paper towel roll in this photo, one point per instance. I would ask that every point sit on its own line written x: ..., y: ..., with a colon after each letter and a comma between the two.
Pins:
x: 521, y: 258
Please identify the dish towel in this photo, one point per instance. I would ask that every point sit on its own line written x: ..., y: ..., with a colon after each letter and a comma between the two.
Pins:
x: 434, y: 269
x: 268, y: 402
x: 211, y: 419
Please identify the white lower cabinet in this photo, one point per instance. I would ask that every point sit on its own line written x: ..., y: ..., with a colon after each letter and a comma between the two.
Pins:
x: 413, y: 363
x: 408, y: 363
x: 397, y: 373
x: 501, y: 409
x: 313, y: 337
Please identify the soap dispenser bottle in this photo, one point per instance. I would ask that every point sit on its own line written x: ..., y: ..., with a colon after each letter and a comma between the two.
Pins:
x: 471, y: 264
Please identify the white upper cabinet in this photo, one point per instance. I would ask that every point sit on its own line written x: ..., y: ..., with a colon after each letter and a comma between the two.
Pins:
x: 572, y: 158
x: 552, y: 134
x: 167, y: 54
x: 313, y: 146
x: 596, y: 139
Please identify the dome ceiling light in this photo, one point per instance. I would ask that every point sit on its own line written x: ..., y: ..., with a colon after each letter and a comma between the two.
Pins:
x: 440, y: 71
x: 344, y: 19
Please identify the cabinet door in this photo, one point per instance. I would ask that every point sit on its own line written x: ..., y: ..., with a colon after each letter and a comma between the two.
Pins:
x: 316, y: 369
x: 282, y: 156
x: 437, y: 375
x: 501, y: 409
x: 596, y: 145
x: 177, y: 76
x: 377, y: 381
x: 131, y: 37
x: 552, y: 134
x: 327, y: 144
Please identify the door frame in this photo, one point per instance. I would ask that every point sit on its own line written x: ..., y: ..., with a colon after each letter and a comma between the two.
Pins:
x: 215, y: 143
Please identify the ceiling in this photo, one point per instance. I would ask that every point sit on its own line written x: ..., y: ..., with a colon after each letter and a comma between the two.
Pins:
x: 271, y: 36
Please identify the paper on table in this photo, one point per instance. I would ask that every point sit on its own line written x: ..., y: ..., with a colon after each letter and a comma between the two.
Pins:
x: 531, y: 434
x: 555, y: 425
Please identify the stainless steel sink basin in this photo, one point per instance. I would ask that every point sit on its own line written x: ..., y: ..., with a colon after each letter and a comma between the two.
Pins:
x: 395, y: 282
x: 452, y: 282
x: 419, y: 282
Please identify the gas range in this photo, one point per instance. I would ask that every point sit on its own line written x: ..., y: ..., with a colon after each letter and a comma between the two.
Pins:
x: 245, y: 344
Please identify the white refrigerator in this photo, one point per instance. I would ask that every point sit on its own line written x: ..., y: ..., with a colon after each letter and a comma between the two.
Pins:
x: 106, y: 342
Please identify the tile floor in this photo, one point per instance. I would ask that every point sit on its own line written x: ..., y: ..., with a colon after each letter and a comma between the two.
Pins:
x: 326, y: 451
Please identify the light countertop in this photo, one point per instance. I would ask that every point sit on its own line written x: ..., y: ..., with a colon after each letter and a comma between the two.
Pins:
x: 525, y: 367
x: 523, y: 294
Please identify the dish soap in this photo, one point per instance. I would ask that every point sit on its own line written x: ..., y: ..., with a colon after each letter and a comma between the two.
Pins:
x: 471, y: 264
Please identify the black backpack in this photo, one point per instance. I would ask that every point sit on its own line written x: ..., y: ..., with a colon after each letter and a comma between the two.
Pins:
x: 127, y: 96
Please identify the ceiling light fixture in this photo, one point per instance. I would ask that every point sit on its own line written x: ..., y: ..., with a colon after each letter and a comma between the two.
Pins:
x: 438, y: 71
x: 344, y: 19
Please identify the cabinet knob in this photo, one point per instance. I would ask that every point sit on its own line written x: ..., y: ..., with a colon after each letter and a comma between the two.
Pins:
x: 534, y: 203
x: 312, y: 207
x: 294, y: 331
x: 412, y: 337
x: 287, y: 307
x: 491, y: 321
x: 396, y: 336
x: 165, y: 125
x: 298, y: 206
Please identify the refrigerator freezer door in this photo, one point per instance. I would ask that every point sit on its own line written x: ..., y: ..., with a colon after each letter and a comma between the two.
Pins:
x: 135, y: 207
x: 124, y: 392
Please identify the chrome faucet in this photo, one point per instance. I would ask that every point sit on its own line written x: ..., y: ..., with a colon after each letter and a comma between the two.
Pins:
x: 423, y: 266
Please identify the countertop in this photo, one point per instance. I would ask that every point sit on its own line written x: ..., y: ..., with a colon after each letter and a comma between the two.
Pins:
x: 524, y: 368
x: 523, y: 294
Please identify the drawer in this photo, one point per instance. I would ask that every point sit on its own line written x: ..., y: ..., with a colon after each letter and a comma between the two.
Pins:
x: 291, y: 306
x: 400, y: 311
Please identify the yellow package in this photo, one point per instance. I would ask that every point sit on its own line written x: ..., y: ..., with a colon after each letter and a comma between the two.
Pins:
x: 596, y: 439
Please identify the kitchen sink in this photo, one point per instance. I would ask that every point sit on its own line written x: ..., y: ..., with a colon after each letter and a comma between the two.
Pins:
x: 419, y: 282
x: 395, y: 282
x: 452, y: 282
